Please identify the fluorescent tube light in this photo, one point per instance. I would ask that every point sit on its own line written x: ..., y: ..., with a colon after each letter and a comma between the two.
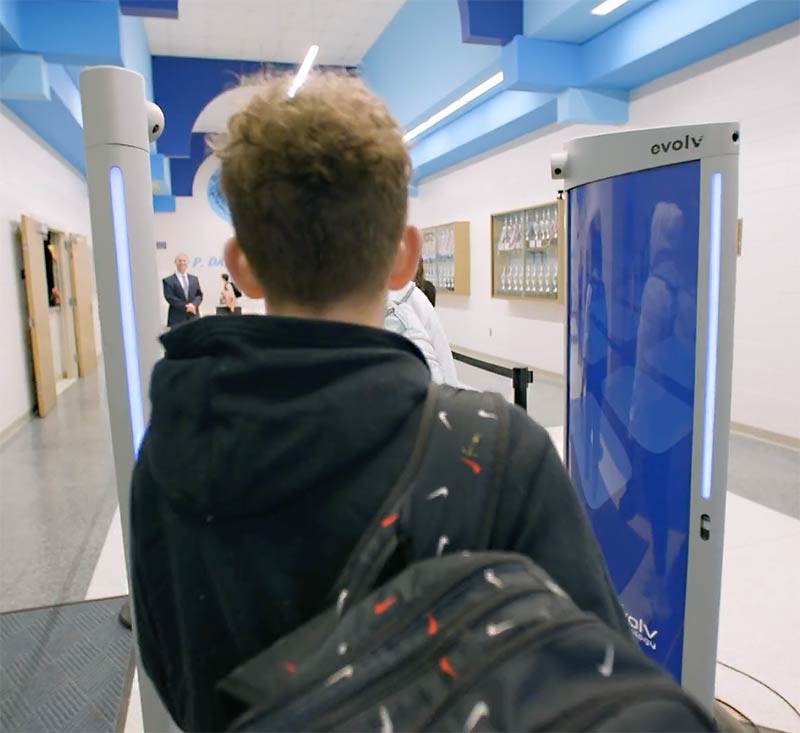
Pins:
x: 471, y: 95
x: 305, y: 67
x: 712, y: 334
x: 119, y: 221
x: 608, y: 6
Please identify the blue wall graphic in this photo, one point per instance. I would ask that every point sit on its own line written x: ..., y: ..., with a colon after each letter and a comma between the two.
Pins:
x: 216, y: 200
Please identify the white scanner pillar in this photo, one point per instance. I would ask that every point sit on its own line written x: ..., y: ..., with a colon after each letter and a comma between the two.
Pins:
x: 118, y: 125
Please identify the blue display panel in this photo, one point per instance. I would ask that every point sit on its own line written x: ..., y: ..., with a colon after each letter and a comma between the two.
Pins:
x: 632, y: 314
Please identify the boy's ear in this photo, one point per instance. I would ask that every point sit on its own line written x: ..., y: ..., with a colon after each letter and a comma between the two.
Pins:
x: 406, y: 259
x: 240, y: 270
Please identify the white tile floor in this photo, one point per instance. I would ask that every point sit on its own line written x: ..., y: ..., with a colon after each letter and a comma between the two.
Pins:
x: 134, y: 722
x: 758, y: 629
x: 64, y: 384
x: 760, y: 601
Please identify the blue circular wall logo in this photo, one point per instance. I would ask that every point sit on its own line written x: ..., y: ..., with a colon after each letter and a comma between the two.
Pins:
x: 216, y: 200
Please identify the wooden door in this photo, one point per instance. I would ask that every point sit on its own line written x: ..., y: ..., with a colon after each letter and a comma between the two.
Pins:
x: 81, y: 273
x: 38, y: 313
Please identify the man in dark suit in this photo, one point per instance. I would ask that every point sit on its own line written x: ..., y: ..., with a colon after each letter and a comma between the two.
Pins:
x: 182, y: 292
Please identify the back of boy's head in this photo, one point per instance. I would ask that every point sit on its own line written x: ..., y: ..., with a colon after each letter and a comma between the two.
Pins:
x: 317, y: 186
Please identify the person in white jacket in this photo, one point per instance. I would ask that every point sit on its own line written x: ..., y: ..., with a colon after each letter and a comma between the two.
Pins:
x: 410, y: 314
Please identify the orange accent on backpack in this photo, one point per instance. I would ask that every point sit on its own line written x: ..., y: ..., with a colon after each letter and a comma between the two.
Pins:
x: 447, y: 668
x: 389, y: 520
x: 290, y: 667
x: 385, y: 605
x: 474, y: 467
x: 433, y: 627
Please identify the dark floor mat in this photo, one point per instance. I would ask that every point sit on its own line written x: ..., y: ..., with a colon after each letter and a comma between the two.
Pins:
x: 64, y: 668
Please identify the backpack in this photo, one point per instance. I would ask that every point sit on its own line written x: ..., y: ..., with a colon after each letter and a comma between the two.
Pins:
x: 236, y: 291
x: 461, y: 639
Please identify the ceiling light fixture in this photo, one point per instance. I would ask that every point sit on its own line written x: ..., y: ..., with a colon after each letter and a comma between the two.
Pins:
x: 305, y: 67
x: 471, y: 95
x: 608, y: 6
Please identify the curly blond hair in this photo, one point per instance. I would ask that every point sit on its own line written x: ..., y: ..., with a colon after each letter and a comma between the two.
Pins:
x: 317, y: 187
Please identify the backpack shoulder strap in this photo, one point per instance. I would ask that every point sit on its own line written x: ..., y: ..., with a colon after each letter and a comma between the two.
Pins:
x: 453, y: 502
x: 446, y: 498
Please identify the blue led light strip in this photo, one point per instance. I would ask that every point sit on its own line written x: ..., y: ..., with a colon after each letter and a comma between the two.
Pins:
x: 712, y: 334
x: 119, y: 219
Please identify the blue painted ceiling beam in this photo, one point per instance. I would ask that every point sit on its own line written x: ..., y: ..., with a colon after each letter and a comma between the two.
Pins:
x: 68, y: 31
x: 502, y: 119
x: 420, y: 58
x: 47, y: 100
x: 10, y: 30
x: 670, y: 34
x: 589, y: 82
x: 572, y: 20
x: 57, y: 127
x: 460, y: 91
x: 24, y: 76
x: 62, y: 87
x: 508, y: 116
x: 592, y: 106
x: 663, y: 37
x: 547, y: 66
x: 539, y: 15
x: 149, y: 8
x: 74, y: 73
x: 490, y: 22
x: 44, y: 45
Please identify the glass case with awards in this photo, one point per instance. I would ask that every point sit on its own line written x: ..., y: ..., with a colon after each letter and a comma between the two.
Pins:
x: 445, y: 256
x: 527, y: 253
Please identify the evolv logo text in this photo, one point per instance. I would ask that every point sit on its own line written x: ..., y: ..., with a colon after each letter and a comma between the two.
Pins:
x: 641, y: 631
x: 676, y: 145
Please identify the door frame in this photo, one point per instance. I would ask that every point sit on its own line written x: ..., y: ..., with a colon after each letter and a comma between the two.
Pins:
x: 35, y: 276
x: 82, y: 282
x: 69, y: 350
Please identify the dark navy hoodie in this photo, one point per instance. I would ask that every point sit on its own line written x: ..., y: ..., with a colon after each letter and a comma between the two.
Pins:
x: 271, y: 445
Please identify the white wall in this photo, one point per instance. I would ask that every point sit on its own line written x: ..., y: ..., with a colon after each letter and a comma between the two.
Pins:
x: 194, y: 229
x: 35, y: 181
x: 752, y: 83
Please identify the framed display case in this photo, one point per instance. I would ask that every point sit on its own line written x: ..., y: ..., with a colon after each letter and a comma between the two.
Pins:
x: 528, y: 253
x: 445, y: 254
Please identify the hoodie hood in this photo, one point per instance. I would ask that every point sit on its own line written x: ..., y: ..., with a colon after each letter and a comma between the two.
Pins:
x: 251, y: 412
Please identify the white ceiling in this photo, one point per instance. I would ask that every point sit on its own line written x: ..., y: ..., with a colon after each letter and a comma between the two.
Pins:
x: 272, y: 30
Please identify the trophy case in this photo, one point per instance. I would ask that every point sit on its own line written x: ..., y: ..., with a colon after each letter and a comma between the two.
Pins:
x: 445, y: 255
x: 528, y: 253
